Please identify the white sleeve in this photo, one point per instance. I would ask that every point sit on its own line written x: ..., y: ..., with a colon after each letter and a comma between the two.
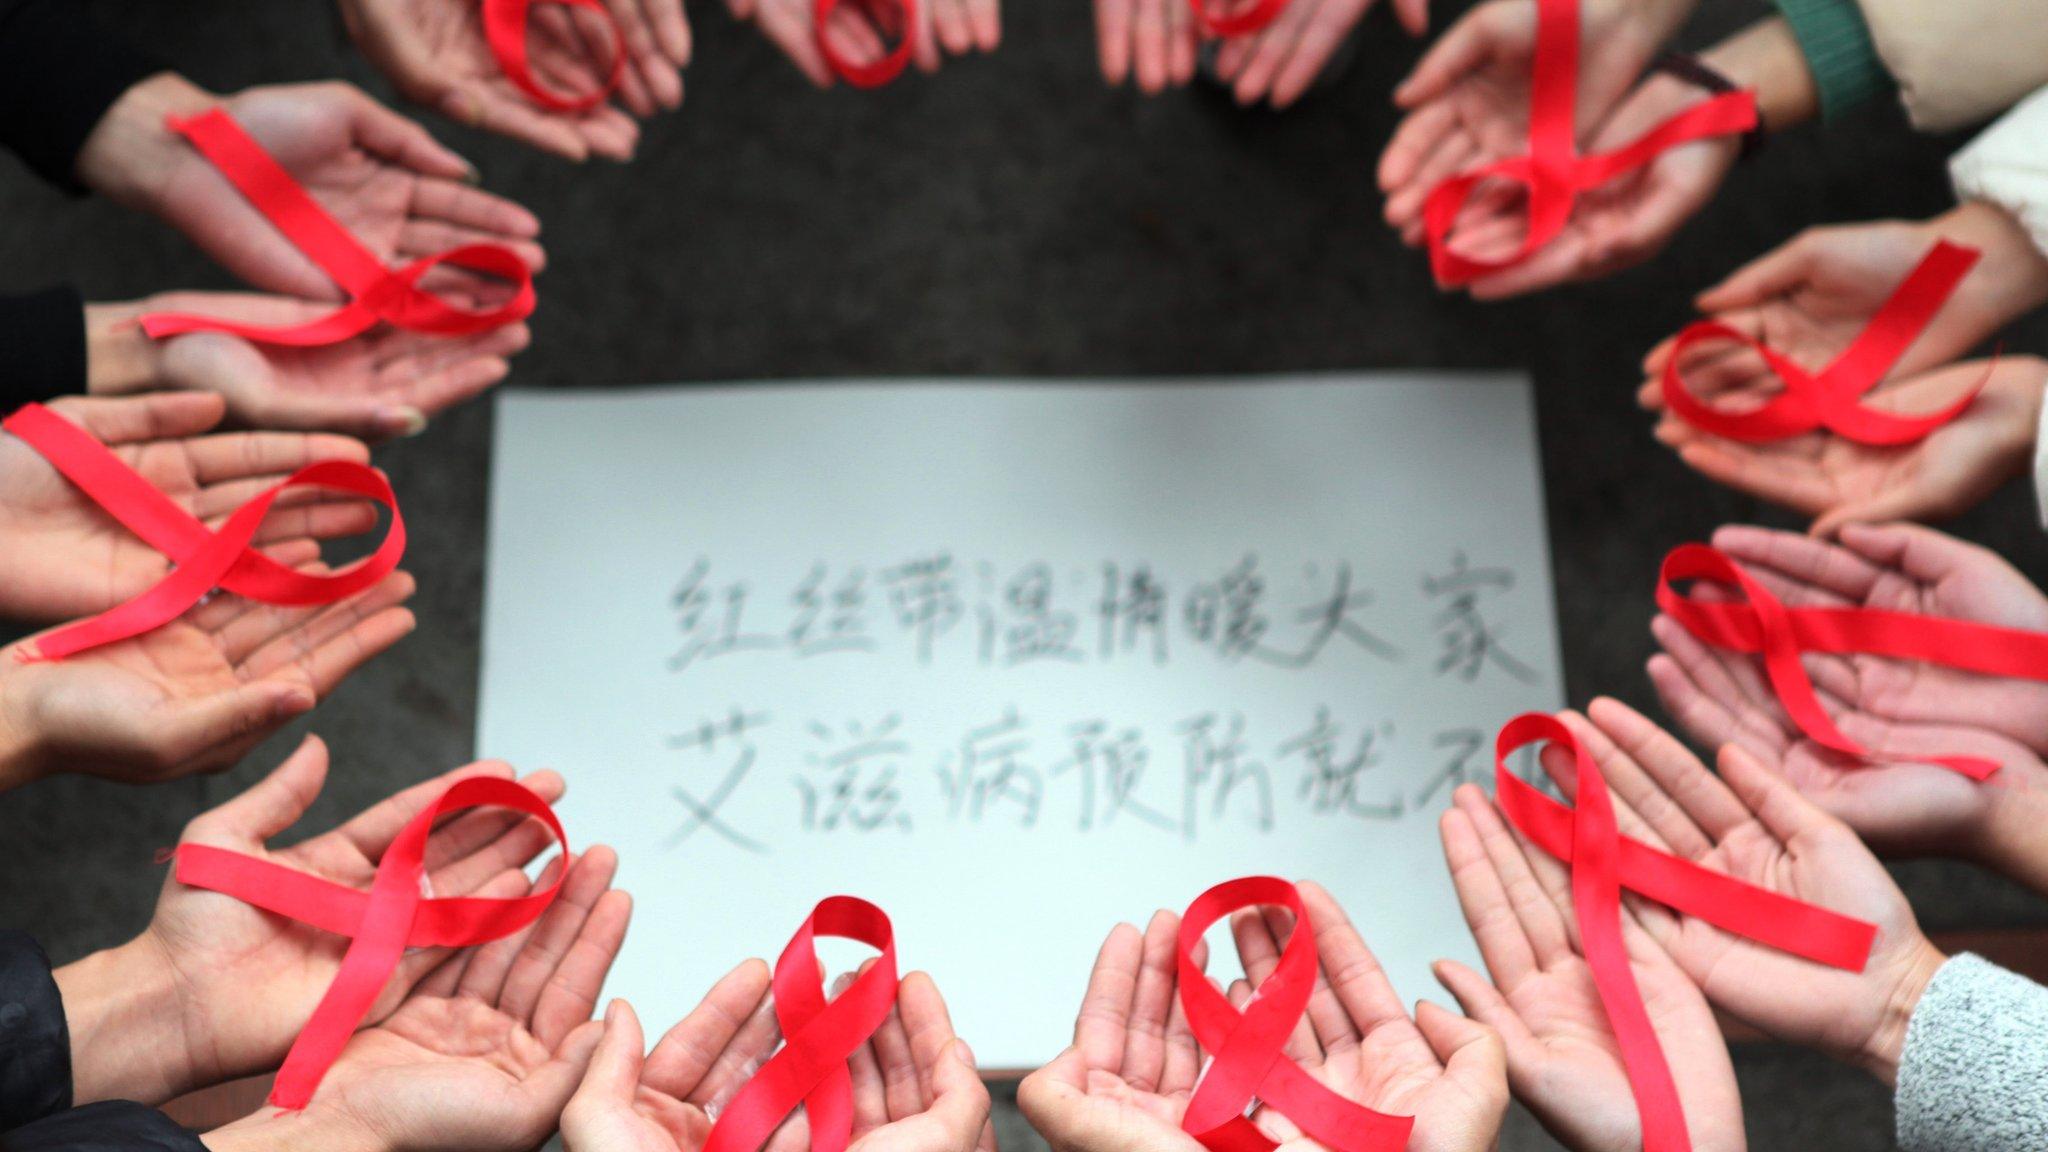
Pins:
x: 2007, y: 165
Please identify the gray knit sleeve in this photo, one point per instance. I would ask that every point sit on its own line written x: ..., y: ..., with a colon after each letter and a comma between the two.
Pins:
x: 1974, y: 1075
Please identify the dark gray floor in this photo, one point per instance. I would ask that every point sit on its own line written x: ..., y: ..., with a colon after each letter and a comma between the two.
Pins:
x: 1008, y: 217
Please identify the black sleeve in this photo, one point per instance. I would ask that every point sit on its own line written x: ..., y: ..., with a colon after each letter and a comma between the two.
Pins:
x: 42, y: 351
x: 35, y: 1045
x: 59, y: 72
x: 108, y: 1126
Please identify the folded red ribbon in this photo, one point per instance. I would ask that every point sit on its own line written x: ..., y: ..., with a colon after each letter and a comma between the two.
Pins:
x: 880, y: 72
x: 818, y: 1035
x: 1554, y: 172
x: 378, y: 294
x: 505, y: 24
x: 1830, y: 398
x: 1603, y: 862
x: 202, y: 559
x: 382, y: 923
x: 1245, y: 1048
x: 1243, y: 19
x: 1763, y: 624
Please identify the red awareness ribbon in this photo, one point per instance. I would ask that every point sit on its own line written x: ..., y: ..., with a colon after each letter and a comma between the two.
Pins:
x: 1829, y: 398
x: 875, y: 74
x: 819, y: 1036
x: 381, y: 923
x: 1762, y: 623
x: 505, y: 26
x: 377, y: 294
x: 1603, y: 862
x: 1554, y: 172
x: 202, y: 558
x: 1246, y: 1058
x: 1242, y: 20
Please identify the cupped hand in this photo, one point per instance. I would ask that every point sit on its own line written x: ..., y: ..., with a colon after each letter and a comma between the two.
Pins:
x: 863, y: 32
x: 63, y: 557
x: 1562, y: 1056
x: 1281, y: 62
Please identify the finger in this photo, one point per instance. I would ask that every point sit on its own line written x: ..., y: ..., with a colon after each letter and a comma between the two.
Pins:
x: 1801, y: 488
x: 1543, y: 925
x: 139, y: 419
x: 1102, y: 1027
x: 1652, y: 817
x: 683, y: 1059
x: 949, y: 22
x: 1148, y: 39
x: 1461, y: 1044
x: 1259, y: 952
x: 1829, y: 568
x: 1464, y: 48
x: 1113, y: 39
x: 1274, y: 47
x: 1483, y: 1002
x: 1183, y: 1054
x: 1322, y: 35
x: 569, y: 996
x: 1145, y: 1034
x: 438, y: 971
x: 237, y: 456
x: 1503, y: 942
x: 274, y: 804
x: 271, y: 639
x: 986, y: 19
x: 331, y: 521
x: 1775, y: 273
x: 556, y: 933
x: 479, y: 107
x: 491, y: 964
x: 614, y: 1073
x: 1706, y: 811
x: 1183, y: 44
x: 1920, y: 552
x: 870, y: 1089
x: 1778, y: 806
x: 1359, y: 983
x: 187, y: 729
x: 900, y: 1086
x: 543, y: 1093
x: 1709, y: 721
x: 386, y: 134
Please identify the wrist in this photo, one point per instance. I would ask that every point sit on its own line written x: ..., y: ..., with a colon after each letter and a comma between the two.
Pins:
x: 1765, y: 58
x: 127, y: 1039
x: 130, y: 154
x: 2010, y: 842
x: 1887, y: 1044
x: 21, y: 753
x: 120, y: 358
x: 2011, y: 277
x: 272, y: 1130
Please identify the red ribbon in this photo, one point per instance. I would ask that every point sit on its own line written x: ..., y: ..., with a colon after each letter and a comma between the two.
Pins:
x: 1246, y: 1058
x: 382, y: 923
x: 1554, y: 172
x: 378, y: 294
x: 1243, y: 20
x: 1602, y: 863
x: 1765, y: 625
x: 1829, y: 398
x: 505, y: 23
x: 819, y: 1036
x: 202, y: 559
x: 866, y: 75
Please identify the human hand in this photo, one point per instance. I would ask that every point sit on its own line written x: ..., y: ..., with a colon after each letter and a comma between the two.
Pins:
x: 1903, y: 707
x: 1151, y: 42
x: 1751, y: 824
x: 863, y: 30
x: 1840, y: 481
x: 1562, y: 1056
x: 1467, y: 101
x: 63, y: 557
x: 215, y: 989
x: 435, y: 53
x: 1280, y: 63
x: 379, y: 384
x: 197, y: 694
x: 487, y: 1049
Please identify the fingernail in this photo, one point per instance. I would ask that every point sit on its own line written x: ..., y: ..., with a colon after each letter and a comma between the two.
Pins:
x: 402, y: 421
x: 295, y: 701
x: 963, y: 1053
x: 611, y: 1012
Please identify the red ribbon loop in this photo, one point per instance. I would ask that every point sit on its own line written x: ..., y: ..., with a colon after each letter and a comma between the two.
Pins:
x: 1554, y: 172
x: 1247, y: 1061
x: 879, y: 72
x: 1829, y: 398
x: 505, y: 26
x: 378, y: 294
x: 818, y: 1035
x: 1763, y: 624
x: 382, y: 923
x: 1242, y: 20
x: 1603, y: 862
x: 202, y: 559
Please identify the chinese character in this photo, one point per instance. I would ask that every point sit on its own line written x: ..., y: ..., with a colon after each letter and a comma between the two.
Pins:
x: 1328, y: 619
x: 1332, y: 780
x: 834, y: 623
x: 705, y: 739
x: 1037, y: 632
x: 1216, y: 756
x: 853, y: 785
x: 990, y: 769
x: 710, y: 621
x: 1469, y: 642
x: 926, y: 599
x: 1459, y: 747
x: 1226, y: 613
x: 1113, y: 763
x: 1132, y: 605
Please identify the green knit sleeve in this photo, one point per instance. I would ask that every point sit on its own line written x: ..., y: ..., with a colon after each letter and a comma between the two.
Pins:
x: 1836, y: 41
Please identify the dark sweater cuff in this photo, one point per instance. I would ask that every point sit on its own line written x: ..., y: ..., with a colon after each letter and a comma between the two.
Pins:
x: 35, y: 1044
x: 59, y: 73
x: 108, y: 1126
x: 42, y: 346
x: 1836, y: 42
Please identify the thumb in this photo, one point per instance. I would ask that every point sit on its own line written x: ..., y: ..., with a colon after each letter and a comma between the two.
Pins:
x: 960, y: 1101
x: 1413, y: 14
x: 1772, y: 274
x: 547, y: 1091
x: 614, y: 1071
x: 1463, y: 49
x: 194, y: 727
x: 1459, y: 1042
x: 274, y: 804
x: 1904, y: 501
x: 364, y: 416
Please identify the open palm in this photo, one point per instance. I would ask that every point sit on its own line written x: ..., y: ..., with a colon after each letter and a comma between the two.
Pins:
x: 63, y: 557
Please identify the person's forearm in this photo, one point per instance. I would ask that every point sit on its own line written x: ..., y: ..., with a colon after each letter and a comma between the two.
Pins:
x: 119, y: 357
x: 127, y: 1026
x: 315, y: 1128
x: 2011, y: 278
x: 1765, y: 58
x: 131, y: 153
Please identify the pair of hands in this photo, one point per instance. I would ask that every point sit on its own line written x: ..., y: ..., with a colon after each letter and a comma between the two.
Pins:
x: 387, y: 181
x: 1745, y: 822
x: 199, y: 693
x: 1809, y: 300
x: 1155, y: 43
x: 1900, y: 707
x: 863, y: 30
x: 436, y: 54
x: 1125, y: 1082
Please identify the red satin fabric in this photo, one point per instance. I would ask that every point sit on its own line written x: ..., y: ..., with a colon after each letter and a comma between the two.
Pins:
x: 1554, y: 172
x: 1246, y: 1058
x: 381, y: 923
x: 505, y: 23
x: 1242, y: 20
x: 202, y: 559
x: 378, y: 294
x: 1603, y: 862
x: 1830, y: 398
x: 1761, y: 623
x: 819, y: 1036
x: 881, y: 71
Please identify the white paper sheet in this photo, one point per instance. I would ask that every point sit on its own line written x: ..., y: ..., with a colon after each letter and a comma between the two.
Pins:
x: 1016, y: 660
